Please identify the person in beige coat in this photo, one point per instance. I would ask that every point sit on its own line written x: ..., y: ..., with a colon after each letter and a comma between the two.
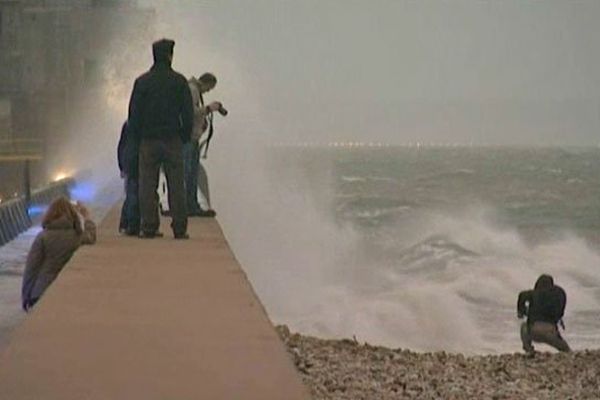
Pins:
x: 194, y: 172
x: 54, y: 246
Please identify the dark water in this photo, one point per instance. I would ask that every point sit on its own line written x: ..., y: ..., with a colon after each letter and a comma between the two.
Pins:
x: 545, y: 189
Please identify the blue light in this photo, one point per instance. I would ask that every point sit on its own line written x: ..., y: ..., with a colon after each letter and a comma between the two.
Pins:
x: 36, y: 209
x: 82, y: 191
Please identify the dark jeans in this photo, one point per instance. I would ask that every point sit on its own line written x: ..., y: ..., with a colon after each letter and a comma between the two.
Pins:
x: 123, y: 220
x: 191, y: 162
x: 130, y: 213
x: 167, y: 153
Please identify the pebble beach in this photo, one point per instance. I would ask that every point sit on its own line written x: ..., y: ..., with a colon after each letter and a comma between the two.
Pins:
x: 348, y: 369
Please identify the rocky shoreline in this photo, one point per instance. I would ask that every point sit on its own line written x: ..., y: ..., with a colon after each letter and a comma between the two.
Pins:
x: 346, y: 369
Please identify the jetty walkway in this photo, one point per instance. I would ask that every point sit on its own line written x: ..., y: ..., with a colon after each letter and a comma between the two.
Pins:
x: 149, y: 319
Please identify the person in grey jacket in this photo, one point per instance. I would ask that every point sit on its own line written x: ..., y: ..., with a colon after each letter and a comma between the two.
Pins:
x: 54, y: 246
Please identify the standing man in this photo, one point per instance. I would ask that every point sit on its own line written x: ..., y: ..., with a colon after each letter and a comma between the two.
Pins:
x: 191, y: 150
x: 161, y: 119
x: 544, y: 307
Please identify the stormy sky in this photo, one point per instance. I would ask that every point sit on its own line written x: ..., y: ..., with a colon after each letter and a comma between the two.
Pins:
x: 482, y: 72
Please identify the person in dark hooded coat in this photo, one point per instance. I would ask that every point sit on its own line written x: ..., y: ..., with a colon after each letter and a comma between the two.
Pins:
x: 161, y: 117
x: 544, y: 307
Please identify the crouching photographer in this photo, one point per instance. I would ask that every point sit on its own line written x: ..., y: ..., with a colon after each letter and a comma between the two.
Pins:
x: 195, y: 174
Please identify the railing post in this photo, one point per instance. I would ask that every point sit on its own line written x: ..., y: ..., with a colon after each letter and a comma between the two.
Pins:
x: 27, y: 184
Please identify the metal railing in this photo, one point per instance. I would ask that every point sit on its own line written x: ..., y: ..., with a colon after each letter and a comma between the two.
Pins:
x: 16, y: 216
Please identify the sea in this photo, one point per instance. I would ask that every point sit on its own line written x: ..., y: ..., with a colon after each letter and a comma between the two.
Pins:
x: 417, y: 247
x: 426, y: 247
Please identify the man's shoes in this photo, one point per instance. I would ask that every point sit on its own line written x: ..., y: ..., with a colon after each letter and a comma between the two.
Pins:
x: 150, y: 235
x: 181, y: 236
x: 529, y: 351
x: 210, y: 213
x: 146, y: 235
x: 202, y: 213
x: 132, y: 232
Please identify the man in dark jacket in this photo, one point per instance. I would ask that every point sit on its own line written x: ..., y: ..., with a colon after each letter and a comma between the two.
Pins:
x: 127, y: 155
x: 161, y: 119
x: 544, y: 307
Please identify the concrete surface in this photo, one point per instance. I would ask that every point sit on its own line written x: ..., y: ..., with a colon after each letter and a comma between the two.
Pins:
x: 149, y: 319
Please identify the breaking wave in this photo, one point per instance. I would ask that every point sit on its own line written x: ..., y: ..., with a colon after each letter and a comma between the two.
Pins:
x: 342, y: 256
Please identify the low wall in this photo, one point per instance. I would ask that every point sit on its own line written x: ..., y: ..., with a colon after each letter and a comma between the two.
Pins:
x: 15, y: 217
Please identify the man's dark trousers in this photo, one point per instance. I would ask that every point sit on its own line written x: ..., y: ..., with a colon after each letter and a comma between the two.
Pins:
x: 123, y: 222
x: 133, y: 205
x: 167, y: 153
x: 130, y: 212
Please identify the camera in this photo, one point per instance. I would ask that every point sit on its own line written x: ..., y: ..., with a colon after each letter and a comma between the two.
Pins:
x: 222, y: 110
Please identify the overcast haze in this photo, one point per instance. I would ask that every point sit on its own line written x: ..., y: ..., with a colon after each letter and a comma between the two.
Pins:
x: 493, y: 72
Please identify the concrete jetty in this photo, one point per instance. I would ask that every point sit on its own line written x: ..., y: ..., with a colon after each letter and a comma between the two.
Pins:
x: 149, y: 319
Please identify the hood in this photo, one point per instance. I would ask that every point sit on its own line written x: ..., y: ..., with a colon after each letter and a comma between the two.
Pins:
x: 544, y: 282
x: 162, y: 50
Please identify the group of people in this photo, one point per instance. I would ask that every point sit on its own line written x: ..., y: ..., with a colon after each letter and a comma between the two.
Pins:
x: 166, y: 122
x: 167, y: 118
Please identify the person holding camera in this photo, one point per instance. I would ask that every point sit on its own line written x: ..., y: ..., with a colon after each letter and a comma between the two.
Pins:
x: 195, y: 174
x: 161, y: 120
x: 544, y: 307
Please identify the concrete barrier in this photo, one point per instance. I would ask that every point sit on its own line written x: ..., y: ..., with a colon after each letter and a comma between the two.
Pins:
x: 160, y: 319
x: 15, y: 215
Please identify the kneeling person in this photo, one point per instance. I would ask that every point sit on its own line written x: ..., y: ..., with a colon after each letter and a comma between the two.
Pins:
x: 54, y: 246
x: 544, y: 307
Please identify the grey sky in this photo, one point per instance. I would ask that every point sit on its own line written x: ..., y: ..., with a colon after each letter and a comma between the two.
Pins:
x: 396, y: 71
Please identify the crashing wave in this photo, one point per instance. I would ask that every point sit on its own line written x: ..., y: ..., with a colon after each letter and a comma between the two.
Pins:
x: 436, y: 251
x: 353, y: 179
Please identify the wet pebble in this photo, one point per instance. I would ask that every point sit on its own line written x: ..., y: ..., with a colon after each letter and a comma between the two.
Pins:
x: 346, y: 369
